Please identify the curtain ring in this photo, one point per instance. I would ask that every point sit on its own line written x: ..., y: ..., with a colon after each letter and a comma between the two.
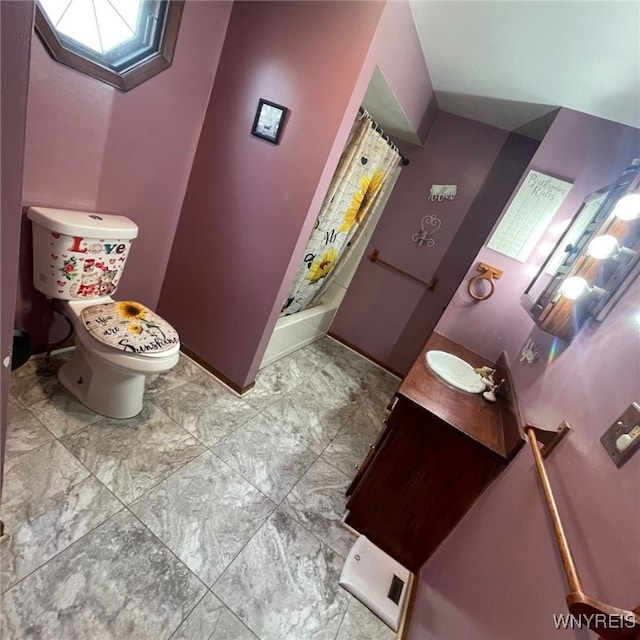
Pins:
x: 487, y: 275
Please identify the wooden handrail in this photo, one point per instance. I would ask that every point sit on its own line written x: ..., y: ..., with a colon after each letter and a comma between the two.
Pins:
x: 609, y: 622
x: 431, y: 285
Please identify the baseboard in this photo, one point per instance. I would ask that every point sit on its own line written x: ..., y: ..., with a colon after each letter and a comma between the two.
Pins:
x: 357, y: 349
x: 212, y: 370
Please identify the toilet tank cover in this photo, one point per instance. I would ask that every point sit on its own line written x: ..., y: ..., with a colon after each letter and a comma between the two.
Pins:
x: 129, y: 326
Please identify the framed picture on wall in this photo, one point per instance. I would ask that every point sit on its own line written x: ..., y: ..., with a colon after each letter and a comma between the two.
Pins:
x: 269, y: 120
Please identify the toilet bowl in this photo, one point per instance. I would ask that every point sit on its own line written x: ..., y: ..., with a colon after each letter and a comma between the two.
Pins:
x: 107, y: 380
x: 78, y: 260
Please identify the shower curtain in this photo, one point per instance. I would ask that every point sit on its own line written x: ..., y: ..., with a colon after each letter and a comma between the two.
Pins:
x: 364, y: 166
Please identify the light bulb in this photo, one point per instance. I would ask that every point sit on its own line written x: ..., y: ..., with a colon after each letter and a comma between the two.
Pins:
x: 572, y: 288
x: 603, y: 247
x: 628, y: 207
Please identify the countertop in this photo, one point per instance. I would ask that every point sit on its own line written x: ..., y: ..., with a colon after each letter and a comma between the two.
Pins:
x: 495, y: 425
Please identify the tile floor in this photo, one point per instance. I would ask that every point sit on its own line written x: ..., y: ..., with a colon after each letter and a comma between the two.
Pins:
x: 208, y: 516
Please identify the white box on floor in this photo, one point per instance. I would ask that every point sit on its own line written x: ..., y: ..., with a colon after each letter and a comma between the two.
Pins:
x: 376, y: 579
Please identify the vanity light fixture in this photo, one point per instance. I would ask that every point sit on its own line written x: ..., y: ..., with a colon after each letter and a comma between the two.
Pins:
x: 628, y: 207
x: 601, y: 247
x: 572, y: 288
x: 605, y: 247
x: 575, y: 287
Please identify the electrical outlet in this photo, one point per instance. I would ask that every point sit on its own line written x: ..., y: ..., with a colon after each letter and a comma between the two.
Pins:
x: 622, y: 438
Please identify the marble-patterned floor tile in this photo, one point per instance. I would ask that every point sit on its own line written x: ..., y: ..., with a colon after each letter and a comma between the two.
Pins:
x: 300, y: 420
x: 383, y: 392
x: 130, y: 456
x: 274, y: 381
x: 296, y: 366
x: 326, y: 350
x: 313, y: 412
x: 185, y: 371
x: 361, y: 624
x: 205, y: 513
x: 117, y: 582
x: 355, y: 374
x: 284, y: 584
x: 24, y: 431
x: 37, y: 380
x: 211, y: 620
x: 266, y: 456
x: 49, y: 501
x: 350, y: 446
x: 389, y: 383
x: 328, y: 353
x: 205, y: 409
x: 63, y: 414
x: 318, y: 502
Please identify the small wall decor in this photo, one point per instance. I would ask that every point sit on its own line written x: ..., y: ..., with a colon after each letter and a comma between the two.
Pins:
x: 529, y: 354
x: 440, y: 192
x: 424, y: 235
x: 269, y: 121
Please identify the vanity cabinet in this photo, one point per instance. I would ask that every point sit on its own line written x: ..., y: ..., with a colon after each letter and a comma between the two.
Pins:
x: 438, y: 451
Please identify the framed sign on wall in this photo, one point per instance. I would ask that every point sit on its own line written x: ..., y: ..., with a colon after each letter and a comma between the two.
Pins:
x: 269, y: 121
x: 532, y: 208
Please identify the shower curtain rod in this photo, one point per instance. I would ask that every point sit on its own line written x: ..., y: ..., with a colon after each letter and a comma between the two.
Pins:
x: 364, y: 113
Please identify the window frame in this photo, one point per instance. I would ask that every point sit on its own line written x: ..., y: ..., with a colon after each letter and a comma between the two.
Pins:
x: 143, y: 65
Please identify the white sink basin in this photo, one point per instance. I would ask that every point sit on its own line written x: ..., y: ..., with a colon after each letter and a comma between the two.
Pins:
x: 455, y: 371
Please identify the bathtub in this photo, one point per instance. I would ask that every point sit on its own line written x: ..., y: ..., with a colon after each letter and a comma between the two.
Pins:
x: 300, y: 329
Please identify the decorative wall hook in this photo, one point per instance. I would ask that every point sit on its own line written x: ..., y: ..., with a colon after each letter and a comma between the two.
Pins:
x: 440, y: 192
x: 528, y: 354
x: 424, y: 235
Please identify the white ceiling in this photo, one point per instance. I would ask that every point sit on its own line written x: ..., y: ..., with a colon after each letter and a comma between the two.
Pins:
x: 508, y: 63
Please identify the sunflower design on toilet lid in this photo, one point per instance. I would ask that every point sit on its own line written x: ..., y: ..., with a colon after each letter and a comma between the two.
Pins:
x: 129, y: 326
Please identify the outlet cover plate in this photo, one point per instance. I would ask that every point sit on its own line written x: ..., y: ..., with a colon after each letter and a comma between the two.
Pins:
x: 625, y: 424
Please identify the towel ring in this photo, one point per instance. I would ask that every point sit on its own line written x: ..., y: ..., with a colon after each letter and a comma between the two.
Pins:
x: 488, y: 276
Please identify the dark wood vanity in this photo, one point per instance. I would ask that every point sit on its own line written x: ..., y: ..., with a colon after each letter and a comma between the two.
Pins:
x: 439, y: 449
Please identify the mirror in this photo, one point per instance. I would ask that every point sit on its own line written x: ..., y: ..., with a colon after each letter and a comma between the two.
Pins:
x: 593, y: 263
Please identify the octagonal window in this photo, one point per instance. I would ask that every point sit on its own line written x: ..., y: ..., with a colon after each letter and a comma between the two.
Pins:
x: 120, y: 42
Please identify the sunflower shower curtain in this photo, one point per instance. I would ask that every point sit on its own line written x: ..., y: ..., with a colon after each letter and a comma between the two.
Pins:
x: 364, y: 166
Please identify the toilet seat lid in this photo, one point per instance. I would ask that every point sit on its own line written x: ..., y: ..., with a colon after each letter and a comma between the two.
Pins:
x: 130, y: 327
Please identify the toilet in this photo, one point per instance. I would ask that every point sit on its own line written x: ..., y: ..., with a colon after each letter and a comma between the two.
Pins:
x: 78, y: 259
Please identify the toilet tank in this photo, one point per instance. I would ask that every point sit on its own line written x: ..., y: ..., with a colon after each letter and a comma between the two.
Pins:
x: 78, y: 254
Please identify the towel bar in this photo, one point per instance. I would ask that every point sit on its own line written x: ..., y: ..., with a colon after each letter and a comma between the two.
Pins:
x: 431, y: 285
x: 599, y: 615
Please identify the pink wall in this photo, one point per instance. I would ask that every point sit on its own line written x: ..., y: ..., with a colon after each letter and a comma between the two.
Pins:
x: 92, y: 147
x: 395, y: 49
x: 498, y: 576
x: 588, y: 151
x: 249, y: 202
x: 456, y: 151
x: 15, y: 23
